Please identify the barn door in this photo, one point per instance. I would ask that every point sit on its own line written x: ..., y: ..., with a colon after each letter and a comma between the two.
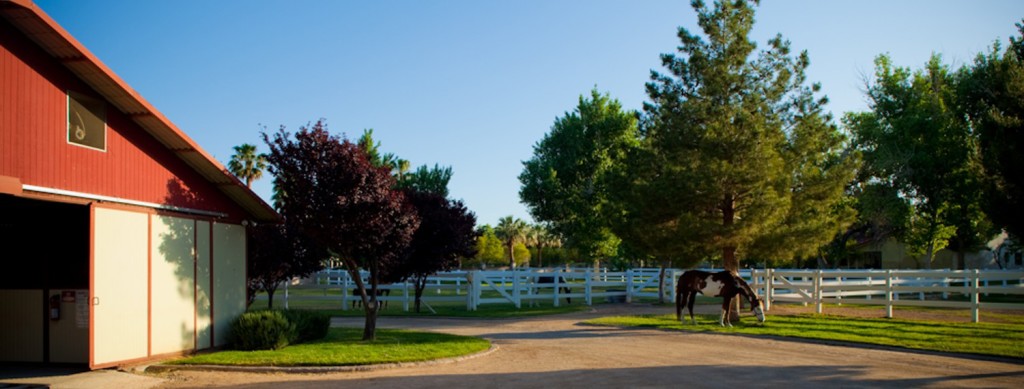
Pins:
x: 119, y: 282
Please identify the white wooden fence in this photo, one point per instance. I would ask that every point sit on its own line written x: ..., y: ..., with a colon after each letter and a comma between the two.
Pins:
x: 928, y: 288
x: 931, y: 288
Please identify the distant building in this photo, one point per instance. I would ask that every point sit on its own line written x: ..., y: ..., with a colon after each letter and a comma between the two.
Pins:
x: 893, y: 254
x: 122, y: 240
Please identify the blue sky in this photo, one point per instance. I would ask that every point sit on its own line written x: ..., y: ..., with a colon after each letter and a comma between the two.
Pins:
x: 469, y: 84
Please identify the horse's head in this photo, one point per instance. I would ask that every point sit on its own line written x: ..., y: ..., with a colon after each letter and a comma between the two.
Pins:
x: 757, y: 306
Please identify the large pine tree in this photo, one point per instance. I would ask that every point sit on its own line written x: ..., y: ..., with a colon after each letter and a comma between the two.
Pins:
x: 740, y: 158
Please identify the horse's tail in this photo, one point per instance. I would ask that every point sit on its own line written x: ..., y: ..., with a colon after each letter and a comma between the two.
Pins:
x: 679, y: 301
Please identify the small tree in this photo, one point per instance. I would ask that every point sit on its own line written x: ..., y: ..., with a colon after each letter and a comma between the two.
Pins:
x: 277, y: 253
x: 444, y: 236
x: 489, y: 249
x: 343, y: 202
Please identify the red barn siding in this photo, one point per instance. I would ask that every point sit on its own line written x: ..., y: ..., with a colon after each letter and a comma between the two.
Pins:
x: 34, y: 147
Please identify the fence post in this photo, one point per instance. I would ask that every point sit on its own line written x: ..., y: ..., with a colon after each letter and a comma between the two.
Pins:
x: 558, y: 274
x: 839, y: 293
x: 588, y: 287
x: 768, y: 290
x: 871, y: 283
x: 629, y: 286
x: 888, y: 293
x: 405, y: 293
x: 975, y: 304
x: 344, y: 291
x: 817, y: 291
x: 515, y: 289
x: 673, y: 285
x: 286, y: 294
x: 471, y: 290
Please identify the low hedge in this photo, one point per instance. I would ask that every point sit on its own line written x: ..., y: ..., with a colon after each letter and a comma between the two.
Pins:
x: 273, y: 330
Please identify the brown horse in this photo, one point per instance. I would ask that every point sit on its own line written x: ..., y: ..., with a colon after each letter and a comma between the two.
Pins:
x: 724, y: 284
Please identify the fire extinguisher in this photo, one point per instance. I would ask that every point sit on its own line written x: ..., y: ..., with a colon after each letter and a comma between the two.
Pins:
x: 55, y: 307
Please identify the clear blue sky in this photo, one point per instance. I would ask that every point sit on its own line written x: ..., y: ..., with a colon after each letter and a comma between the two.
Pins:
x: 470, y: 84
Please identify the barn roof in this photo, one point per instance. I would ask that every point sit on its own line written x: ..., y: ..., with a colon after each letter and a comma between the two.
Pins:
x: 27, y: 17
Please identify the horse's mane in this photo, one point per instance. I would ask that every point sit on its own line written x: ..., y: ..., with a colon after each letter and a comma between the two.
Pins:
x: 746, y: 289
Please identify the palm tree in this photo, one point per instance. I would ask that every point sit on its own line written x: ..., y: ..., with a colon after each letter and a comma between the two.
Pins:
x: 246, y: 164
x: 540, y: 237
x: 511, y: 231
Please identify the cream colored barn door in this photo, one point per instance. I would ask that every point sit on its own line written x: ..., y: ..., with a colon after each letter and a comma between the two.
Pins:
x: 119, y: 286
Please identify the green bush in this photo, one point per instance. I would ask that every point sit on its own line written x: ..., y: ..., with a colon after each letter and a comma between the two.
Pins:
x: 307, y: 325
x: 261, y: 330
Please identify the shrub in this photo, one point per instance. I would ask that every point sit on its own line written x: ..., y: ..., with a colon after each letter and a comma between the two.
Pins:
x: 307, y: 325
x: 261, y: 330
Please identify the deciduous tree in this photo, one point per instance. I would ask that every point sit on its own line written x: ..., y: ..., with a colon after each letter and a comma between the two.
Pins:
x: 343, y: 202
x: 277, y: 253
x: 561, y: 183
x: 445, y: 235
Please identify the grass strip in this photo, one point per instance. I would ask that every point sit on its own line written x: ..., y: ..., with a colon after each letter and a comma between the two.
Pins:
x: 996, y: 339
x: 345, y: 347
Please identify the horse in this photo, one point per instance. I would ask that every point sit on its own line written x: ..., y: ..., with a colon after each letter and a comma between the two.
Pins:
x: 724, y: 284
x: 561, y: 281
x: 380, y: 304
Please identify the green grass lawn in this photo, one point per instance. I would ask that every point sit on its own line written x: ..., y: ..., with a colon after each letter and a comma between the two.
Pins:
x: 998, y: 339
x: 344, y: 347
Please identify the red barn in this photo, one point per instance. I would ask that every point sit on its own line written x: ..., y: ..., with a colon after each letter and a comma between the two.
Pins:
x: 122, y: 240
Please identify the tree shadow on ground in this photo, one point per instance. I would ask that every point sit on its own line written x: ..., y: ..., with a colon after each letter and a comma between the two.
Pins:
x: 658, y: 377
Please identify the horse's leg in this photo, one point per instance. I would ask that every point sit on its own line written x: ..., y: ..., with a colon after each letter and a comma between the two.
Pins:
x: 692, y: 297
x: 724, y: 319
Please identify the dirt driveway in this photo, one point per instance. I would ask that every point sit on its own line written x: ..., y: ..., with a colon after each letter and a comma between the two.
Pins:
x: 556, y: 351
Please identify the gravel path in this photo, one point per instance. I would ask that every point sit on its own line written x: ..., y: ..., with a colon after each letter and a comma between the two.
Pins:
x: 557, y: 351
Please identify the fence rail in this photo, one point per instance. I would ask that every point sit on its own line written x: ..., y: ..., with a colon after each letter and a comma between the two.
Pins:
x: 930, y: 288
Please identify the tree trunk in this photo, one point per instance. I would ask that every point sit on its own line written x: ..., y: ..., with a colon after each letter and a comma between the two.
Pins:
x: 511, y: 256
x: 661, y: 283
x: 369, y: 299
x: 729, y: 260
x: 928, y: 256
x: 540, y: 255
x: 270, y: 296
x: 419, y: 284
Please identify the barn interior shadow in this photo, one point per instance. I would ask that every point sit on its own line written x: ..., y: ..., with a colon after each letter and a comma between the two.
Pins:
x: 656, y: 377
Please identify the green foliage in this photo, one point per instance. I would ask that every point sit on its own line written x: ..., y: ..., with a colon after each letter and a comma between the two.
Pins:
x: 522, y: 254
x: 432, y: 180
x: 343, y: 347
x: 511, y: 231
x: 489, y: 249
x: 307, y: 325
x: 246, y: 164
x: 992, y: 94
x: 261, y: 330
x: 561, y: 183
x: 916, y: 142
x: 739, y: 158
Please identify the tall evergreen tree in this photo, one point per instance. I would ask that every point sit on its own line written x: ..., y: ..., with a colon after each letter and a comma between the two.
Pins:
x: 739, y: 156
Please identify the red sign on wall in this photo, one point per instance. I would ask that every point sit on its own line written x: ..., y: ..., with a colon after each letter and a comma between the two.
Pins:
x: 67, y: 296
